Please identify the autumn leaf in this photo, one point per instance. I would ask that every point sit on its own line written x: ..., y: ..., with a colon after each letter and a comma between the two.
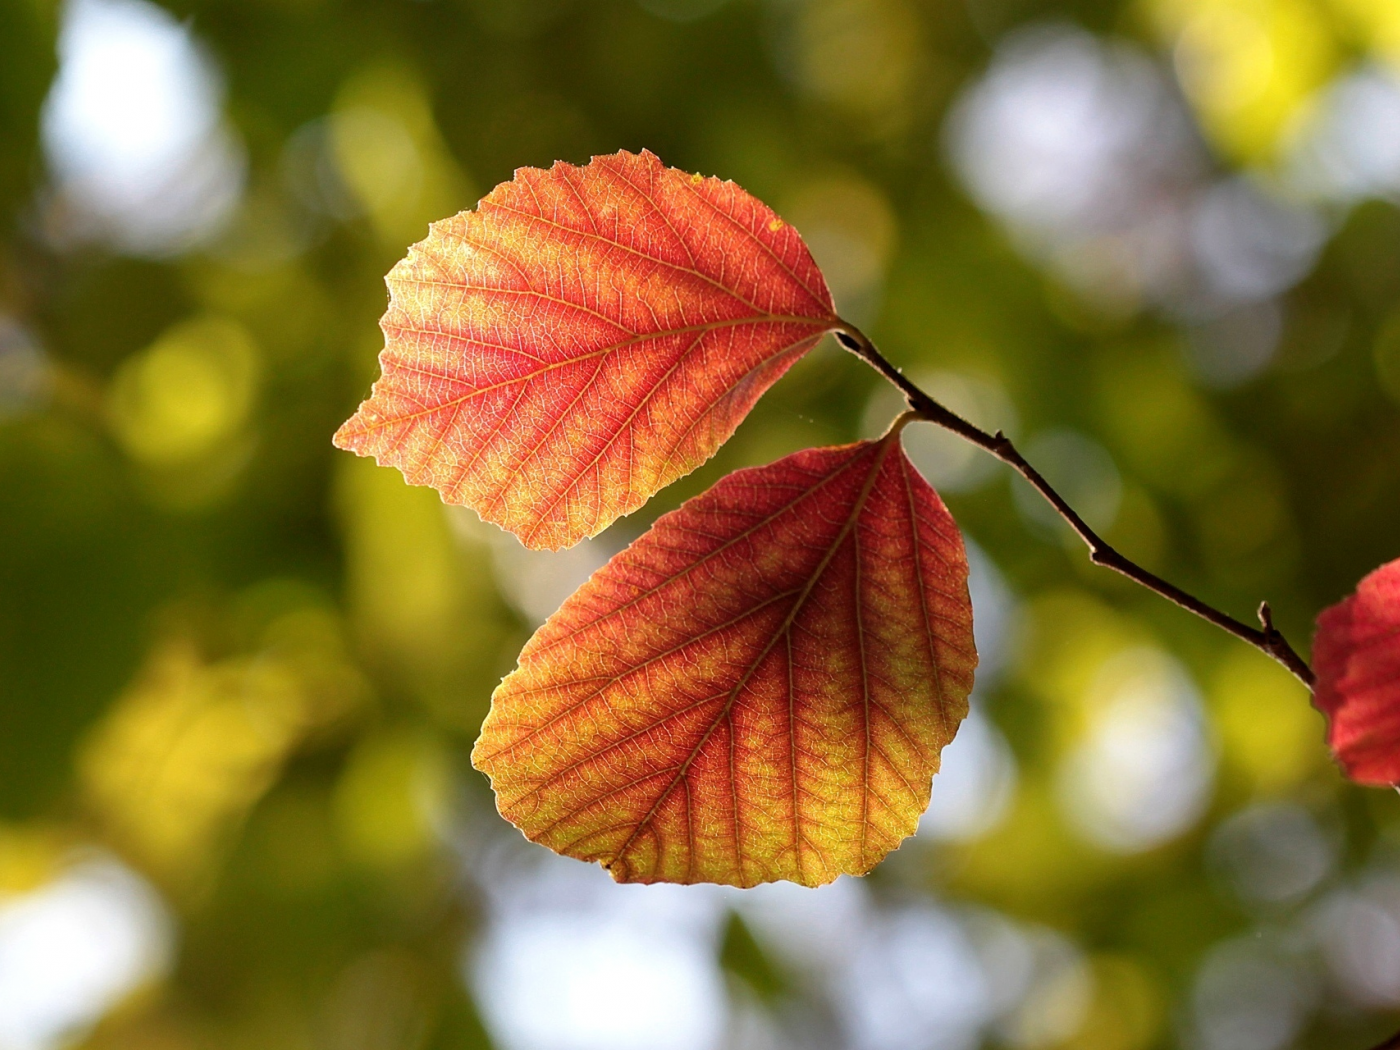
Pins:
x: 584, y: 338
x: 756, y: 689
x: 1356, y: 657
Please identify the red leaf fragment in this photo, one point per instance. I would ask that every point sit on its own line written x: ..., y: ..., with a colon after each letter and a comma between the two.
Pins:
x: 1356, y: 657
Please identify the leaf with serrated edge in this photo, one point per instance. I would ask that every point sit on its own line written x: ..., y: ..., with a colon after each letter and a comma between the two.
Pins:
x: 756, y: 689
x: 1356, y: 657
x: 587, y: 336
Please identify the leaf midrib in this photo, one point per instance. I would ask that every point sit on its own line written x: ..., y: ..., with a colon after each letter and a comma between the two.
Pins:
x: 817, y: 573
x: 632, y: 340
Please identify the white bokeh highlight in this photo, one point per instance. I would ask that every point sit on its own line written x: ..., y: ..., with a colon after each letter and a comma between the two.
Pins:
x: 914, y: 983
x: 25, y: 376
x: 1272, y: 854
x: 1062, y: 133
x: 572, y: 961
x: 133, y: 132
x: 1249, y: 994
x: 73, y: 949
x: 1084, y: 150
x: 1350, y: 149
x: 922, y: 976
x: 1251, y: 246
x: 1143, y: 772
x: 974, y: 786
x: 1358, y: 929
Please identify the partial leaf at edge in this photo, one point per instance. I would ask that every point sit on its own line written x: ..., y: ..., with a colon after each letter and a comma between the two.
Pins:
x: 1356, y: 657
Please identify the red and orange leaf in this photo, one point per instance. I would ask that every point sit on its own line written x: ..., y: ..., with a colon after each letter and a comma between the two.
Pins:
x: 756, y: 689
x: 1356, y: 657
x: 584, y: 338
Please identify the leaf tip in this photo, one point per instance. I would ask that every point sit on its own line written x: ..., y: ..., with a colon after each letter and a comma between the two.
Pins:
x: 349, y: 436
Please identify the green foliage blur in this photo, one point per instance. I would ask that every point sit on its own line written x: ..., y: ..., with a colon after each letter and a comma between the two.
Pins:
x: 251, y: 667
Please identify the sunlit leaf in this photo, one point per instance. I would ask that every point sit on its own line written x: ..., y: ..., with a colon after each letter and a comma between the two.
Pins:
x: 583, y: 338
x: 756, y: 689
x: 1356, y: 656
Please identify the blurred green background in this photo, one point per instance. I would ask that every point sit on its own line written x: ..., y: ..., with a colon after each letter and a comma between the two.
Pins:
x: 1156, y: 240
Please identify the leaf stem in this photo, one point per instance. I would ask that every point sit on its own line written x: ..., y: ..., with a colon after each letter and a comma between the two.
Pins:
x: 1265, y: 638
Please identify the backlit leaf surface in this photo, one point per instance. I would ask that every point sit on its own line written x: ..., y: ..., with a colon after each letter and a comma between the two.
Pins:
x: 585, y: 337
x: 756, y: 689
x: 1356, y: 657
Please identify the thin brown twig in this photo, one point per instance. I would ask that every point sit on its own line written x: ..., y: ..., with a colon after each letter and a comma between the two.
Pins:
x: 1266, y: 638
